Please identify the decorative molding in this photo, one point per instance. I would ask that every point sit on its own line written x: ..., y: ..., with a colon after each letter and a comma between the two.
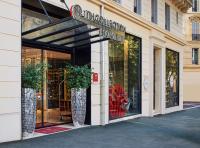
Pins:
x: 183, y: 5
x: 195, y: 18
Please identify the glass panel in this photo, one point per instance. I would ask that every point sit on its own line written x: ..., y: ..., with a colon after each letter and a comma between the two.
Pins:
x: 172, y: 78
x: 34, y: 56
x: 31, y: 20
x: 124, y: 77
x: 195, y: 56
x: 154, y: 10
x: 78, y: 37
x: 64, y: 34
x: 55, y: 96
x: 87, y: 41
x: 64, y: 25
x: 57, y: 107
x: 167, y: 17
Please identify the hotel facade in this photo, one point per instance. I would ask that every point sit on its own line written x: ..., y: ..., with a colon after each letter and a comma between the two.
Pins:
x: 138, y: 71
x: 191, y: 54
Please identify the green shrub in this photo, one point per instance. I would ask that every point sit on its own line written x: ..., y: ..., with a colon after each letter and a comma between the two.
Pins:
x: 78, y: 76
x: 32, y: 75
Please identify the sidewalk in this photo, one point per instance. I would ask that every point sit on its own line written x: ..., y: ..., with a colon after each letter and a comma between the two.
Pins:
x: 176, y: 130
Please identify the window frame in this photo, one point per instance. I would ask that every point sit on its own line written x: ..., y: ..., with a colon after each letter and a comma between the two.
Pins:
x: 137, y: 8
x: 154, y: 11
x: 195, y: 51
x: 167, y: 17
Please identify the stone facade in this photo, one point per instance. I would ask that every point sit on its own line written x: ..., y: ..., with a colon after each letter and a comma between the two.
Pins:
x: 10, y: 70
x: 154, y: 36
x: 191, y: 71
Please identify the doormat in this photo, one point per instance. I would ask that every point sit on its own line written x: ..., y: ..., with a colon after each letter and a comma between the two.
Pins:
x: 51, y: 130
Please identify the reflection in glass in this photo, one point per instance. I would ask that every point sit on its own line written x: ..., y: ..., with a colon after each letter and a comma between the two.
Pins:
x: 124, y: 77
x: 34, y: 56
x: 172, y: 78
x: 53, y: 102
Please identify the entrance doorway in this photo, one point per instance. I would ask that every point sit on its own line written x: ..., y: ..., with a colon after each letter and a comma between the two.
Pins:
x: 157, y: 80
x: 53, y: 101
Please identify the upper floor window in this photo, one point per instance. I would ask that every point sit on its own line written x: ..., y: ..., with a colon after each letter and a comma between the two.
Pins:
x: 167, y: 17
x: 138, y: 6
x: 195, y: 56
x: 196, y: 5
x: 154, y: 11
x: 196, y: 31
x: 118, y: 1
x: 177, y: 17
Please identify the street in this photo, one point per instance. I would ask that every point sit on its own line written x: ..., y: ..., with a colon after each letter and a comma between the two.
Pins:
x: 176, y: 130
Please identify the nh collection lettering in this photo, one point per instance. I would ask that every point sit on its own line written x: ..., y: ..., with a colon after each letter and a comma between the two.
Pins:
x: 108, y: 28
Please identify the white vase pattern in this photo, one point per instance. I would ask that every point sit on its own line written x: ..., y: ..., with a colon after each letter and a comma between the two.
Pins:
x: 78, y: 104
x: 28, y: 111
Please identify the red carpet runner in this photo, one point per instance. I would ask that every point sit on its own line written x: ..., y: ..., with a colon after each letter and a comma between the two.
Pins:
x: 51, y: 130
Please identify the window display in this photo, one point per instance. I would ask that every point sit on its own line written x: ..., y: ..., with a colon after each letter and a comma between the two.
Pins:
x: 172, y: 78
x: 124, y: 77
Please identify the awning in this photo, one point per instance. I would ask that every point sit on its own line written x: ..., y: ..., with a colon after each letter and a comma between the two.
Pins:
x: 65, y: 34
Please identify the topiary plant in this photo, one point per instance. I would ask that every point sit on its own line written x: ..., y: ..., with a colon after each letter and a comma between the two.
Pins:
x: 32, y: 75
x: 78, y: 76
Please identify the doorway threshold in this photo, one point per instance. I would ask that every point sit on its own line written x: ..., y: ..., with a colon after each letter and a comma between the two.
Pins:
x: 53, y: 130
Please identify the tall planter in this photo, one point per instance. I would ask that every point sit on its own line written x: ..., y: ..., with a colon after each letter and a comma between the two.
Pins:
x: 78, y: 106
x: 28, y: 111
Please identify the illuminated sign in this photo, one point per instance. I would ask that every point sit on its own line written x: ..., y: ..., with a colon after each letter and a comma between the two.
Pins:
x: 108, y: 28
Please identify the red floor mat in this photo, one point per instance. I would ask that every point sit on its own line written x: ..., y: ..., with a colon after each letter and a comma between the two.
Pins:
x: 51, y: 130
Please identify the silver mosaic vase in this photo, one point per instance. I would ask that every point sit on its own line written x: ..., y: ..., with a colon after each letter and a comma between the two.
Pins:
x: 28, y: 111
x: 78, y: 104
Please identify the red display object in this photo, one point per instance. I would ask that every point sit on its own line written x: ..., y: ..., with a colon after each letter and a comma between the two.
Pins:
x: 95, y: 77
x: 118, y: 98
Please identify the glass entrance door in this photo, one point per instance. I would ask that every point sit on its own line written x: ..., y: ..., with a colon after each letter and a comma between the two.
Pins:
x: 56, y: 106
x: 53, y: 101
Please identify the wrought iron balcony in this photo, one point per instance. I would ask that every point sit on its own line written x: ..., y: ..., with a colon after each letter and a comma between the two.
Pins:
x: 196, y: 37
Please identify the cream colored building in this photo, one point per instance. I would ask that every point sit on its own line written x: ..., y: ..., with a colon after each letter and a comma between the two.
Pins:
x: 191, y: 81
x: 152, y: 85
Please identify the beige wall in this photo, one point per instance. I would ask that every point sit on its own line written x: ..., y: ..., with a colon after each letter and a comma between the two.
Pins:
x: 176, y: 29
x: 191, y: 72
x: 191, y: 86
x: 10, y: 70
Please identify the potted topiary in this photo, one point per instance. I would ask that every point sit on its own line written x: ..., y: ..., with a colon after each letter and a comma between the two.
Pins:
x: 78, y: 79
x: 32, y: 76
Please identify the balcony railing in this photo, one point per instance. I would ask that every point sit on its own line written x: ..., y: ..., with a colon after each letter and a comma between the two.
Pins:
x: 196, y: 37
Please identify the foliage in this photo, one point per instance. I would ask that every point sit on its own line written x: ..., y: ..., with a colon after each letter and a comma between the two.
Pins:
x: 78, y: 76
x: 124, y: 60
x: 172, y: 71
x: 32, y: 75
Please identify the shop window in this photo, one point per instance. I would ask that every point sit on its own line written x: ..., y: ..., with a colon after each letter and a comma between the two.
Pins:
x: 195, y: 56
x: 172, y: 78
x: 138, y: 6
x: 124, y: 77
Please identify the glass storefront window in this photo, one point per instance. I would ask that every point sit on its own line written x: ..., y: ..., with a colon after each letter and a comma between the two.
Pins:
x: 172, y: 78
x: 124, y: 77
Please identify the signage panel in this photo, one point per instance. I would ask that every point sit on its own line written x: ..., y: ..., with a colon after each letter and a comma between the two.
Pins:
x: 108, y: 28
